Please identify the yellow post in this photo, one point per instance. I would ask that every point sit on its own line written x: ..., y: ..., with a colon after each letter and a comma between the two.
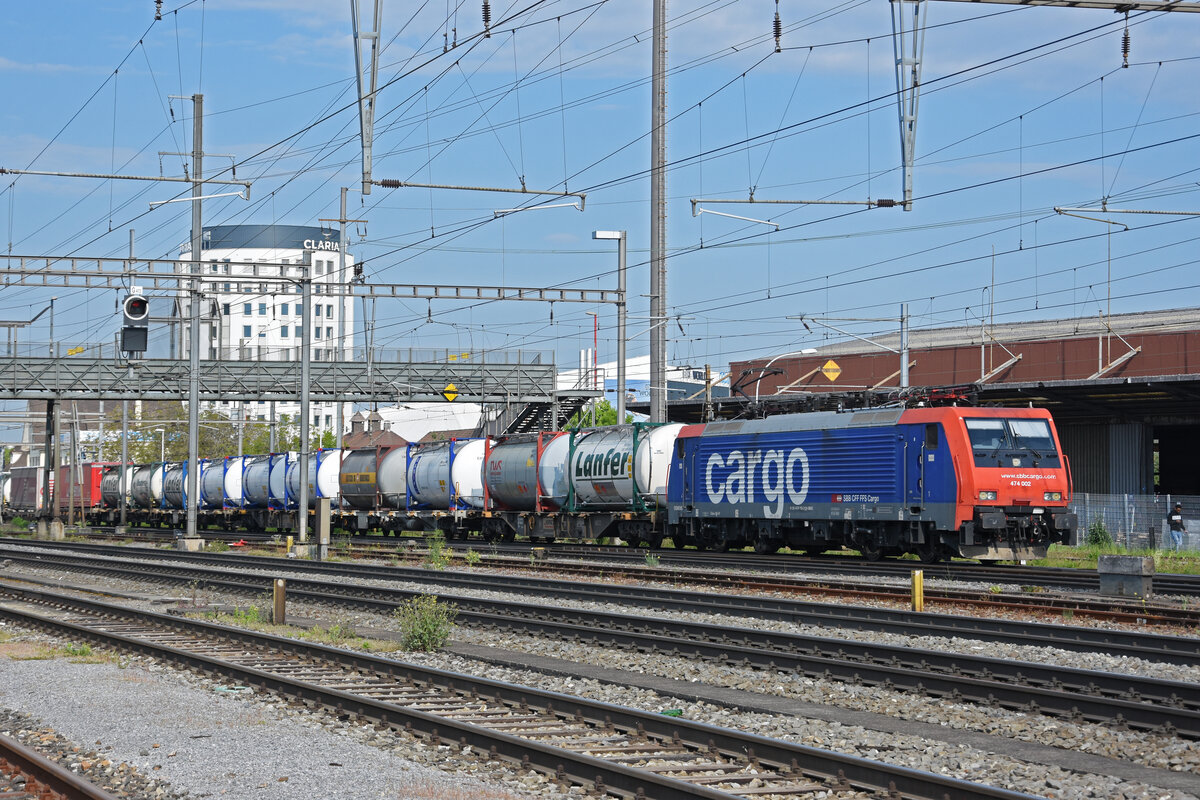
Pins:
x: 918, y: 590
x: 279, y: 612
x: 290, y: 540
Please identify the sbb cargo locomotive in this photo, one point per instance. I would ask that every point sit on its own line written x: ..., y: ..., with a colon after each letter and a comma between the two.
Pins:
x: 982, y: 483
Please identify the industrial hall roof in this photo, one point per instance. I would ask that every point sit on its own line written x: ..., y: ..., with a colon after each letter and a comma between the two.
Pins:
x: 1130, y: 367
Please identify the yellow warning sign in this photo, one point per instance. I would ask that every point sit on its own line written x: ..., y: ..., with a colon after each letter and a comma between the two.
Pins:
x: 450, y: 392
x: 831, y: 370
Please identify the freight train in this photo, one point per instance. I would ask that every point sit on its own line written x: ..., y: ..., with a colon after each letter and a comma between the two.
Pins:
x: 985, y: 483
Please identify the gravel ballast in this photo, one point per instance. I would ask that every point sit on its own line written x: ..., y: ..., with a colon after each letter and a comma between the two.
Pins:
x: 197, y: 738
x: 942, y: 755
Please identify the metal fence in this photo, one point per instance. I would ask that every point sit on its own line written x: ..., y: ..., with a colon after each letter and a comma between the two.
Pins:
x: 1137, y: 520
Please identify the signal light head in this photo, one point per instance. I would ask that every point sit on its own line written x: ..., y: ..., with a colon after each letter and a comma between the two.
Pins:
x: 136, y: 308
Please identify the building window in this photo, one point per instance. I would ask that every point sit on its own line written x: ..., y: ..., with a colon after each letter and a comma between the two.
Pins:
x: 328, y: 421
x: 299, y: 331
x: 317, y: 332
x: 283, y: 331
x: 247, y: 309
x: 317, y: 288
x: 317, y: 311
x: 246, y: 331
x: 225, y: 309
x: 299, y: 309
x: 329, y: 310
x: 262, y: 309
x: 329, y: 333
x: 225, y: 286
x: 283, y: 309
x: 262, y: 332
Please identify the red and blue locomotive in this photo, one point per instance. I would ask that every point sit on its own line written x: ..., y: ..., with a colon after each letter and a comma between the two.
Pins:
x: 987, y: 483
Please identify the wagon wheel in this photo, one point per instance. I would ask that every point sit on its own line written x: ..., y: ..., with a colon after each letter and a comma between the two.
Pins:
x: 765, y: 547
x: 871, y: 551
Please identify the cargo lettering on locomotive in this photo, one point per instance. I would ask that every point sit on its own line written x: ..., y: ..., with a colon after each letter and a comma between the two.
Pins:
x: 738, y: 486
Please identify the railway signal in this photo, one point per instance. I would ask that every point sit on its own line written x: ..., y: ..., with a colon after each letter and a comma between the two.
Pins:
x: 135, y: 332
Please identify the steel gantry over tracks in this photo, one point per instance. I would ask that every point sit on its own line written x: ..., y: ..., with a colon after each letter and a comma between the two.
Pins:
x: 167, y: 379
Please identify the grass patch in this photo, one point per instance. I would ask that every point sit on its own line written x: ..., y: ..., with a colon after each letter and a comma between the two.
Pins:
x: 1186, y: 562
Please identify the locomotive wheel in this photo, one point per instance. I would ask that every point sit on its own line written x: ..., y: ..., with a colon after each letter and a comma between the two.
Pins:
x: 655, y: 541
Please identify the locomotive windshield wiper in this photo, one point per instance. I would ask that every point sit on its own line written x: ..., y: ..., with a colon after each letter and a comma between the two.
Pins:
x: 1018, y: 437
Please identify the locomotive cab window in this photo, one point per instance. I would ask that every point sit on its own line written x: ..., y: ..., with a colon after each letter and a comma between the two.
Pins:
x: 987, y: 434
x: 931, y: 437
x: 1015, y: 442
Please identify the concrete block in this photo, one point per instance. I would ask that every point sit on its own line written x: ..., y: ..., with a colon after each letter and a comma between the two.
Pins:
x: 303, y: 551
x: 1126, y: 576
x: 193, y: 544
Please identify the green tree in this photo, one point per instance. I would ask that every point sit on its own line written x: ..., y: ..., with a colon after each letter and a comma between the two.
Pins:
x: 605, y: 415
x: 217, y: 437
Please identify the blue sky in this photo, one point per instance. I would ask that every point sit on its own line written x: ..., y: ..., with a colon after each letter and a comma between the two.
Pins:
x: 1023, y: 109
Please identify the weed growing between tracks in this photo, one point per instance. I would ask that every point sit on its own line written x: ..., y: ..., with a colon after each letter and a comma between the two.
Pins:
x: 436, y: 554
x: 425, y: 623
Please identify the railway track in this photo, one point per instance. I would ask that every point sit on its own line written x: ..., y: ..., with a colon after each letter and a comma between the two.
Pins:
x: 797, y: 566
x: 1045, y: 605
x: 609, y: 750
x: 1149, y: 646
x: 1149, y: 704
x: 26, y: 774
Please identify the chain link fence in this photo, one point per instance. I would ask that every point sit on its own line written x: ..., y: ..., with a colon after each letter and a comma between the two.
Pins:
x: 1137, y: 521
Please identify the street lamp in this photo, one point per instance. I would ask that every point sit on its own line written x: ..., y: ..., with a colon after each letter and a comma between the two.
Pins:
x: 620, y: 237
x: 162, y: 444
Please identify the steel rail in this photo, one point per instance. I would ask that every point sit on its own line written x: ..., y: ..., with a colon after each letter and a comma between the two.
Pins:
x: 1170, y: 707
x: 1168, y: 649
x: 837, y: 770
x: 44, y: 773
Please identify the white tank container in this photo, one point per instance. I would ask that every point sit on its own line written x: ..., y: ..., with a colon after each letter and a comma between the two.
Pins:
x: 392, y: 478
x: 432, y: 479
x: 212, y: 484
x: 232, y: 479
x: 110, y: 485
x: 605, y: 469
x: 174, y: 485
x: 278, y: 481
x: 147, y: 487
x: 256, y: 481
x: 324, y: 470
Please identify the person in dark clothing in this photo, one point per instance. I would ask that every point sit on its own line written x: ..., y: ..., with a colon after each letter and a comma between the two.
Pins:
x: 1178, y: 529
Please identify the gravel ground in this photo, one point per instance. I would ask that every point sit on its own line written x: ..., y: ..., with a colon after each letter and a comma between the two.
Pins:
x: 198, y: 739
x: 935, y: 755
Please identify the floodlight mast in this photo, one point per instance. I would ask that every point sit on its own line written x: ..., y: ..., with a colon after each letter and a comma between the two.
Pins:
x: 620, y: 237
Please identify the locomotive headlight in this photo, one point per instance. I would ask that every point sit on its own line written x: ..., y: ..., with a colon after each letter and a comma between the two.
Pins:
x: 1052, y: 496
x: 987, y: 495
